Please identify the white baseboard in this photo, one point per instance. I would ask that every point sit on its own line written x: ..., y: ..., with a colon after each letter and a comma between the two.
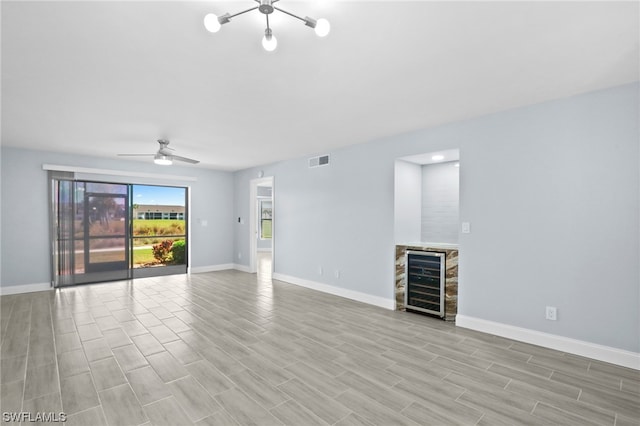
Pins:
x: 222, y: 267
x: 211, y: 268
x: 242, y: 268
x: 25, y: 288
x: 565, y: 344
x: 338, y: 291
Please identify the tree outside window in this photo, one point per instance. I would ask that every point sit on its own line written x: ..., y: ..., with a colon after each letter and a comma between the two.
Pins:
x: 266, y: 215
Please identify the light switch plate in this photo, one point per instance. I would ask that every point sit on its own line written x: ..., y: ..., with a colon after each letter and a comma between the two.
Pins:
x: 466, y: 227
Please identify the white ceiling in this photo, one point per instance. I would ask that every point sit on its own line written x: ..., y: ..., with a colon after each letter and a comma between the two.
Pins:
x: 102, y: 78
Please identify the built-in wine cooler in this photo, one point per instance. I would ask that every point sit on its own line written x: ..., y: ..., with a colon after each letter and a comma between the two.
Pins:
x: 425, y: 279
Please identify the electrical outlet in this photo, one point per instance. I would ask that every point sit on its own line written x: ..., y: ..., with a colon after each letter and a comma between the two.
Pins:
x: 337, y: 273
x: 319, y: 270
x: 239, y: 255
x: 551, y: 313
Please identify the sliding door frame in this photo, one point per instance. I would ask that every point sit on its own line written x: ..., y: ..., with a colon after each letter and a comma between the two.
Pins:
x: 62, y: 234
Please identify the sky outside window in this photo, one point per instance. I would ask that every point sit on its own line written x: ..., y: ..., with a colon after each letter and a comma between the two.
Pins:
x: 158, y: 195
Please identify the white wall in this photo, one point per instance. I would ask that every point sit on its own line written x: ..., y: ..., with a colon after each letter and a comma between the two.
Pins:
x: 440, y: 211
x: 25, y: 220
x: 552, y: 192
x: 407, y: 202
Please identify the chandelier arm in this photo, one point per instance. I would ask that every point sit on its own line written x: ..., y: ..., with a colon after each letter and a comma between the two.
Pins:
x: 290, y: 14
x: 240, y: 13
x: 267, y: 16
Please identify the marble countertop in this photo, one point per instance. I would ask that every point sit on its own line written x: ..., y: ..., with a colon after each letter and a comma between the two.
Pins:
x: 427, y: 244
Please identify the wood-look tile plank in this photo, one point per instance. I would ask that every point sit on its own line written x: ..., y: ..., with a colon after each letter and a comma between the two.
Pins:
x: 244, y: 410
x: 266, y: 369
x: 41, y: 349
x: 354, y: 420
x: 167, y: 367
x: 318, y: 403
x: 557, y: 416
x: 11, y: 396
x: 167, y: 412
x: 41, y: 380
x: 372, y: 410
x: 89, y: 332
x: 436, y: 414
x: 293, y: 414
x: 147, y: 385
x: 96, y: 350
x: 121, y: 406
x: 107, y: 373
x: 222, y: 361
x: 78, y: 393
x: 219, y: 418
x: 129, y: 358
x: 163, y: 334
x: 72, y: 363
x: 49, y: 404
x: 209, y: 377
x: 105, y: 323
x: 382, y: 394
x: 176, y: 325
x: 92, y: 416
x: 147, y: 344
x: 258, y: 389
x: 193, y: 398
x: 510, y: 407
x: 12, y: 368
x: 67, y: 342
x: 116, y: 338
x: 181, y: 351
x: 134, y: 328
x: 123, y: 315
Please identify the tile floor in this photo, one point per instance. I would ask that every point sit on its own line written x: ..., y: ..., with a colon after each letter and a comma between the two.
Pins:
x: 230, y: 348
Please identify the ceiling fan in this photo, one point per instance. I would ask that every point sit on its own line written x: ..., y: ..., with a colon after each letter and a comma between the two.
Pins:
x: 163, y: 157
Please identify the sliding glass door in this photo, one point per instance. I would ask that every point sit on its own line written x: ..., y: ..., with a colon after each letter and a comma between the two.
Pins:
x: 105, y: 231
x: 159, y: 231
x: 98, y: 234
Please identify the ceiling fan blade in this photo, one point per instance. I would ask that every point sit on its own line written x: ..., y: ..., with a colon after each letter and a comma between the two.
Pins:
x: 185, y: 159
x: 136, y: 155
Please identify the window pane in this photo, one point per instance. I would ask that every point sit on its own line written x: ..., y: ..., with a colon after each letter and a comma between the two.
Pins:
x: 159, y: 221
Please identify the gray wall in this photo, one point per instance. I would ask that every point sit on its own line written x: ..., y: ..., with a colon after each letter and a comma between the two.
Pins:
x: 552, y: 193
x: 440, y: 187
x: 407, y: 202
x: 25, y: 232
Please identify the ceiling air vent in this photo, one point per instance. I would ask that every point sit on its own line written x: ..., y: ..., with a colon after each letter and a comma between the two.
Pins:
x: 322, y: 160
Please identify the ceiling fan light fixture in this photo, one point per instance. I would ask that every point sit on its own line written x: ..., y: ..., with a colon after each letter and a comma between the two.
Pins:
x: 162, y: 160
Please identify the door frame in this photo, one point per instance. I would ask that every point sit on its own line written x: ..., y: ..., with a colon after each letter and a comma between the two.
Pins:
x: 253, y: 222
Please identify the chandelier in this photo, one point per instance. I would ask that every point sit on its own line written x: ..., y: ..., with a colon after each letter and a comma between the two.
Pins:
x: 213, y: 22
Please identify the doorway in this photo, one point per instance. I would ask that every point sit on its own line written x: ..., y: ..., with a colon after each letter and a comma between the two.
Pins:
x: 261, y: 230
x: 97, y: 236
